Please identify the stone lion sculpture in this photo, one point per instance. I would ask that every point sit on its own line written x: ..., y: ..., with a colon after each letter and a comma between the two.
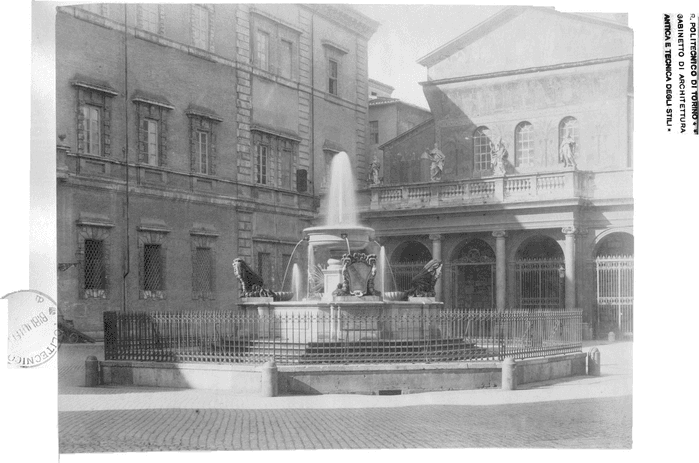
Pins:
x: 422, y: 285
x: 251, y: 284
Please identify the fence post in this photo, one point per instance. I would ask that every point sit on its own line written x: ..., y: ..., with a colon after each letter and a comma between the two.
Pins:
x: 594, y: 362
x: 269, y: 387
x: 92, y: 377
x: 509, y: 380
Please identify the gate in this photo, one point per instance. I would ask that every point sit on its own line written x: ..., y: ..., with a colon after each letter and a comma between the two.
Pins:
x: 615, y: 294
x: 403, y: 273
x: 538, y: 284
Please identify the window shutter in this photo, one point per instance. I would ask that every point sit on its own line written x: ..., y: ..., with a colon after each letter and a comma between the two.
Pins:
x: 212, y: 151
x: 162, y: 154
x: 142, y: 140
x: 81, y: 127
x: 301, y: 180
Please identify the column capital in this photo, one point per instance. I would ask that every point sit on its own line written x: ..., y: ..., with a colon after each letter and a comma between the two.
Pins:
x: 499, y: 234
x: 436, y: 237
x: 569, y: 230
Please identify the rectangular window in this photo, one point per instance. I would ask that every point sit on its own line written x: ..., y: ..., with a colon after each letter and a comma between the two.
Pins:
x: 95, y: 274
x: 152, y: 268
x: 200, y: 27
x: 374, y: 132
x: 150, y: 127
x: 264, y: 268
x: 203, y: 271
x: 332, y: 77
x: 150, y: 17
x: 202, y: 152
x: 287, y: 53
x: 91, y: 117
x: 262, y: 50
x: 261, y: 158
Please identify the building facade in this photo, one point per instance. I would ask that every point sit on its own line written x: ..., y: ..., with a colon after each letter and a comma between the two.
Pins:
x: 532, y: 206
x: 388, y: 118
x: 190, y: 135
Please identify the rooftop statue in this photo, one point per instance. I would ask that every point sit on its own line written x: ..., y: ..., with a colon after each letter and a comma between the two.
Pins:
x: 498, y: 153
x: 566, y: 152
x: 251, y: 284
x: 422, y: 285
x: 437, y: 167
x: 374, y: 178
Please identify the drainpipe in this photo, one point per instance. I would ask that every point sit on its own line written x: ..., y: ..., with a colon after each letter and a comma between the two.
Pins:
x: 127, y: 268
x: 313, y: 112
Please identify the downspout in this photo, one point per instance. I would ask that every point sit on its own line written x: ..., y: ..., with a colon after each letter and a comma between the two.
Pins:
x: 127, y: 267
x: 313, y: 112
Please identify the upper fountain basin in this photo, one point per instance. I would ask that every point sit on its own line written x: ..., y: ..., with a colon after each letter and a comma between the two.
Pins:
x: 333, y: 236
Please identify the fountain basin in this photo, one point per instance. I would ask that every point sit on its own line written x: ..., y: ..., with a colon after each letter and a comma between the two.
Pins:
x: 359, y: 237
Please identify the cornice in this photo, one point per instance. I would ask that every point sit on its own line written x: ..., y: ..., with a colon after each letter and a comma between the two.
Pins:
x: 532, y: 70
x: 347, y: 17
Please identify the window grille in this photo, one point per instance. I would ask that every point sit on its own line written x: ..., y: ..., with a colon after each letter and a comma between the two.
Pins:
x: 481, y: 149
x: 94, y: 265
x: 203, y: 271
x: 264, y: 267
x: 152, y: 268
x: 524, y: 148
x: 332, y: 77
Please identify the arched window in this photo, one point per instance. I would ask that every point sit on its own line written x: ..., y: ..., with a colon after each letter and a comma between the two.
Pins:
x: 524, y: 145
x: 481, y: 149
x: 568, y: 130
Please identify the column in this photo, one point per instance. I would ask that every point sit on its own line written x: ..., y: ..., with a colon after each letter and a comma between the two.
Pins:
x: 437, y: 254
x: 500, y: 270
x: 569, y: 233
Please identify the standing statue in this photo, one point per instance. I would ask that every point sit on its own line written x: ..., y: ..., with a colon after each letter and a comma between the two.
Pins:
x: 566, y: 152
x: 498, y: 153
x: 374, y: 178
x: 437, y: 158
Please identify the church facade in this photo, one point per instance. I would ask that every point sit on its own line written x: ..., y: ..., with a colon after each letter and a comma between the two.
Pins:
x: 531, y: 203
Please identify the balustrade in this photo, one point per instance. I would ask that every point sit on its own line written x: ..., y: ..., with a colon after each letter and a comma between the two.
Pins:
x: 496, y: 189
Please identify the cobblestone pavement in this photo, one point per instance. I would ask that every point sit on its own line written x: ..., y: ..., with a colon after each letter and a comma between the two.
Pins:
x: 582, y: 412
x: 591, y: 423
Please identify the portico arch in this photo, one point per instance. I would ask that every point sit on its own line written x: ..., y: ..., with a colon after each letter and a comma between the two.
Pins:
x: 473, y: 275
x: 613, y: 257
x: 406, y: 261
x: 539, y: 282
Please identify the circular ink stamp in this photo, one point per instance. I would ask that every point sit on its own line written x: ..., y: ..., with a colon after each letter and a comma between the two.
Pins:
x: 32, y: 328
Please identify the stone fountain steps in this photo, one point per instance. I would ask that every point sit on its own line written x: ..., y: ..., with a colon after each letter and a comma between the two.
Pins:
x: 363, y: 351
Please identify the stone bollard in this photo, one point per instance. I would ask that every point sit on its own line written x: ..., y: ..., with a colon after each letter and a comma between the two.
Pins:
x: 269, y: 379
x: 92, y: 374
x: 509, y: 381
x: 594, y: 363
x: 611, y: 337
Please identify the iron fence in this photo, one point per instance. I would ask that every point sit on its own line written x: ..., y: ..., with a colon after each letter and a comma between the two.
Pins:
x: 339, y: 337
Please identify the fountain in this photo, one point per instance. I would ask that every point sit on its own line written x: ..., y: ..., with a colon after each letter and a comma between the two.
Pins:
x: 344, y: 254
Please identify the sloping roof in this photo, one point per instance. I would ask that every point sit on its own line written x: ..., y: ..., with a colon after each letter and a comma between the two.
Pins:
x: 498, y: 20
x: 382, y: 101
x: 420, y: 126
